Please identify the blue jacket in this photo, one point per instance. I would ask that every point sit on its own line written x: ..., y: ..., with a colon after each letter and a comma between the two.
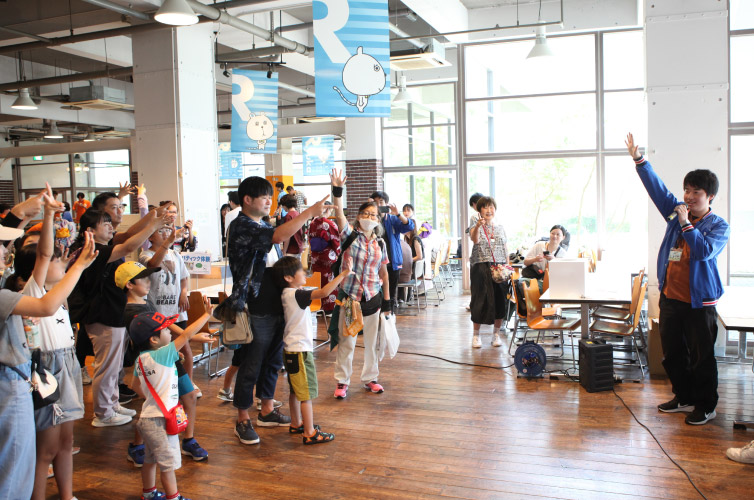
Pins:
x: 393, y: 230
x: 705, y: 241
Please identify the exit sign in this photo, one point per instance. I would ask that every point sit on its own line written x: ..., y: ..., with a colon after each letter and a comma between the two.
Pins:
x: 37, y: 158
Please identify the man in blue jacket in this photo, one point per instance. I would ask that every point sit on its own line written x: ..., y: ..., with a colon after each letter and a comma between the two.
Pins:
x: 395, y: 224
x: 690, y: 287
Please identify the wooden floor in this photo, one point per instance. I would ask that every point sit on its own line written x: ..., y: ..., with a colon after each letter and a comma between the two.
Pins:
x: 443, y: 430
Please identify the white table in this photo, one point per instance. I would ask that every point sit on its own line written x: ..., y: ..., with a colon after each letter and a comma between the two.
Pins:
x: 735, y: 313
x: 213, y: 291
x: 600, y: 290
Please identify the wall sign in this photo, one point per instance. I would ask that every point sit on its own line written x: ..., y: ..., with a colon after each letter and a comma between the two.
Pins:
x: 255, y: 112
x: 319, y: 156
x: 197, y: 262
x: 351, y: 57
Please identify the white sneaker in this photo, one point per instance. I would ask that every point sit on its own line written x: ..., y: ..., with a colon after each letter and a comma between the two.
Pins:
x: 476, y: 342
x: 275, y: 404
x: 111, y: 421
x: 198, y: 391
x: 744, y: 455
x: 496, y: 342
x: 85, y: 378
x: 124, y: 411
x: 225, y: 395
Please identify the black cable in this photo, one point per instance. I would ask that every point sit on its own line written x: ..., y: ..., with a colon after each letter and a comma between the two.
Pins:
x: 660, y: 445
x: 450, y: 360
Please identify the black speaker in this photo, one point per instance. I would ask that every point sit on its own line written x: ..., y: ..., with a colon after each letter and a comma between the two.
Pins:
x: 595, y: 365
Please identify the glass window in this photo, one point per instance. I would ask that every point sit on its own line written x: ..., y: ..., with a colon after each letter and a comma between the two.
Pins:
x: 502, y: 69
x: 432, y: 195
x: 624, y: 111
x: 53, y: 169
x: 532, y: 195
x: 531, y: 124
x: 626, y: 208
x: 741, y: 14
x: 741, y: 79
x: 622, y: 60
x: 102, y: 169
x: 742, y: 210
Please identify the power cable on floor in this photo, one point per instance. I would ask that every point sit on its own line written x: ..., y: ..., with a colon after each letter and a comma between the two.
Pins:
x: 660, y: 445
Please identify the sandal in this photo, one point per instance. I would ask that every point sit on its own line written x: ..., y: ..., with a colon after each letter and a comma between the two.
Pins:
x: 319, y: 437
x: 300, y: 430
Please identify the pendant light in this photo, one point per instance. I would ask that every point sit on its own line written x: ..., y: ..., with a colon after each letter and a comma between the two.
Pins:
x: 53, y: 133
x: 176, y: 13
x: 541, y: 47
x: 23, y: 101
x: 402, y: 96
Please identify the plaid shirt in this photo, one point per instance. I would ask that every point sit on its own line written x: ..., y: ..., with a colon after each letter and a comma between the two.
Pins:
x: 364, y: 257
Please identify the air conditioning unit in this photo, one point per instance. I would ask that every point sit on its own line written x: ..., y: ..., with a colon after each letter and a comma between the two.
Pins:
x: 432, y: 56
x: 98, y: 97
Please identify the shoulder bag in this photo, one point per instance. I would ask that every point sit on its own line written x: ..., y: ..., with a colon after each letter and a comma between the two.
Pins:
x: 176, y: 420
x: 501, y: 273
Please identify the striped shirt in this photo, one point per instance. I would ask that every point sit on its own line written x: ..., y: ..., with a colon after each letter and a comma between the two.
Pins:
x: 364, y: 257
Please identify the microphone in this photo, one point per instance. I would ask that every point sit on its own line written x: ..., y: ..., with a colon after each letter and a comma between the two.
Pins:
x: 674, y: 214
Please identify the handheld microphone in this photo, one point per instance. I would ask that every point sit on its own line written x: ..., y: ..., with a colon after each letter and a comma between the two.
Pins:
x: 674, y: 214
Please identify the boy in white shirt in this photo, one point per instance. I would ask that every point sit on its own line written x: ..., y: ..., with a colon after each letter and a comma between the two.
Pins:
x: 298, y: 346
x: 150, y: 334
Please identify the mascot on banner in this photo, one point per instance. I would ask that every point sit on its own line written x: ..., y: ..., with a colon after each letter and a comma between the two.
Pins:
x: 363, y: 76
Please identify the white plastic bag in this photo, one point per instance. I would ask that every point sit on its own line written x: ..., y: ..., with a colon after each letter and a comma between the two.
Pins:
x: 387, y: 338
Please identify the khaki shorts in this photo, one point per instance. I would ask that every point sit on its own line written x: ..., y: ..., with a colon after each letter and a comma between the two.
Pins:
x: 302, y: 375
x: 159, y: 448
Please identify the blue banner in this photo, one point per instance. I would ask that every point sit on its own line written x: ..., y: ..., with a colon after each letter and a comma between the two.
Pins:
x: 231, y: 164
x: 318, y: 153
x: 351, y: 57
x: 255, y: 112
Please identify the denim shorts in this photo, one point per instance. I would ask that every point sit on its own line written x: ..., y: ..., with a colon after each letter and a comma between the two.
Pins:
x: 17, y: 436
x: 63, y: 364
x: 159, y: 448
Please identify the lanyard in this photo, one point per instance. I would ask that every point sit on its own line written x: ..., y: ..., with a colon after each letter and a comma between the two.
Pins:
x: 492, y: 251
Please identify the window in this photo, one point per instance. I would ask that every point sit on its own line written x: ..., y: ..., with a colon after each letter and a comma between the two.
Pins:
x: 742, y: 211
x: 741, y: 79
x: 432, y: 194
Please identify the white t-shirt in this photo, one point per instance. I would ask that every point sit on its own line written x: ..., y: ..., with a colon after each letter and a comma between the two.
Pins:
x: 163, y: 375
x: 55, y: 331
x: 299, y: 334
x: 539, y: 248
x: 166, y: 285
x: 230, y: 217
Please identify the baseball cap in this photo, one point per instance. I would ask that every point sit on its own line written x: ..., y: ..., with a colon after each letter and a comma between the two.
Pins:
x: 10, y: 233
x: 148, y: 324
x: 131, y: 270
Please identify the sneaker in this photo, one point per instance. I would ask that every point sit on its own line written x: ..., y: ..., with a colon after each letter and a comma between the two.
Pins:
x: 156, y: 495
x: 75, y: 450
x: 124, y: 399
x: 85, y: 378
x: 124, y: 411
x: 496, y: 342
x: 198, y: 391
x: 191, y: 448
x: 341, y: 391
x: 225, y: 395
x: 319, y: 437
x: 374, y: 387
x: 700, y: 417
x: 246, y: 433
x: 136, y: 454
x: 111, y: 421
x: 674, y: 406
x: 476, y: 342
x: 125, y: 394
x: 743, y: 455
x: 273, y: 419
x: 50, y: 471
x: 275, y: 404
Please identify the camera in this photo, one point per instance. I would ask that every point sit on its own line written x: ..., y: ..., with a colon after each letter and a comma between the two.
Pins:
x: 384, y: 210
x: 546, y: 252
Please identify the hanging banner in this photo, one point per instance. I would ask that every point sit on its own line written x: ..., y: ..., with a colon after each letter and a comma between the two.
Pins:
x: 255, y: 112
x: 351, y: 57
x: 319, y: 156
x: 231, y: 164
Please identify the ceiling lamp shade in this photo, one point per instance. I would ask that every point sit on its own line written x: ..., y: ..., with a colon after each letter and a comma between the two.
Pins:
x: 90, y: 137
x: 53, y: 133
x: 23, y: 101
x: 541, y: 47
x: 176, y: 13
x: 402, y: 95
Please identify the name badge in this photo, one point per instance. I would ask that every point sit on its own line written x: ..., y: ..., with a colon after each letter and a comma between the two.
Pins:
x: 675, y: 255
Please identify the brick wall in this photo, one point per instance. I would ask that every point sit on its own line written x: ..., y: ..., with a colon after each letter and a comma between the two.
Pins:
x: 364, y: 178
x: 132, y: 201
x: 6, y: 192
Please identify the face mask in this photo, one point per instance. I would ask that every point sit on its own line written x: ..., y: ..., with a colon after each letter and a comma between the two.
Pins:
x: 367, y: 225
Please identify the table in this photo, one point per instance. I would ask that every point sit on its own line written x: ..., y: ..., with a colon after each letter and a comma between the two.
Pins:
x: 600, y: 290
x: 734, y: 312
x: 213, y: 291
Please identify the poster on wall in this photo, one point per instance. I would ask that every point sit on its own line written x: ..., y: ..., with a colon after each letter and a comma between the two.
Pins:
x: 231, y: 164
x: 319, y: 155
x: 351, y: 57
x: 255, y: 112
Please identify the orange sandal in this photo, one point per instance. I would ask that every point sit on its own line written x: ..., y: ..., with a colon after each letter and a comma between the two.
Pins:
x: 319, y: 437
x: 300, y: 430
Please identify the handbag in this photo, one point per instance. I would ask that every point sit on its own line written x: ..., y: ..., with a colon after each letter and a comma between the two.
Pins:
x: 500, y: 272
x: 42, y: 384
x: 238, y: 331
x: 176, y: 420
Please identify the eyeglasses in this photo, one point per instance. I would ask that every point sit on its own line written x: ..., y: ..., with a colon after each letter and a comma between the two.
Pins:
x: 116, y: 207
x: 371, y: 215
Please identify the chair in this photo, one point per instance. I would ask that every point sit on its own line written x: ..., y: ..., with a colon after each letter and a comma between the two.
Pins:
x: 414, y: 283
x: 519, y: 301
x: 437, y: 280
x: 535, y: 320
x: 445, y: 264
x: 315, y: 281
x: 622, y: 313
x: 195, y: 311
x: 625, y: 329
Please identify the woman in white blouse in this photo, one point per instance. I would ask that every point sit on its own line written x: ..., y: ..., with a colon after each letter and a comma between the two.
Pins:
x: 544, y: 251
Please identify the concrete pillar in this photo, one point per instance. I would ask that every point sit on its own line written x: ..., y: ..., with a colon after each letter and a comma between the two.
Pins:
x: 687, y: 96
x: 363, y: 161
x: 175, y: 146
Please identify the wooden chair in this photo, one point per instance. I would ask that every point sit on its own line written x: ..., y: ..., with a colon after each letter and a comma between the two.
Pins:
x: 315, y: 280
x: 195, y: 311
x: 536, y: 321
x: 622, y: 313
x: 624, y: 330
x: 415, y: 283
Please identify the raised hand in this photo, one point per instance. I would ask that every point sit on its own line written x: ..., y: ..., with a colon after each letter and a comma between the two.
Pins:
x: 320, y: 208
x: 126, y: 189
x: 393, y: 208
x: 337, y: 178
x: 140, y: 190
x: 163, y: 209
x: 30, y: 207
x: 633, y: 149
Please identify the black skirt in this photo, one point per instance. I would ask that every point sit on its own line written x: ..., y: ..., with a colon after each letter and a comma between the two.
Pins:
x: 489, y: 300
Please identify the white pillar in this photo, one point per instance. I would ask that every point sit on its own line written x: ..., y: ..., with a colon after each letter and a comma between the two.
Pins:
x: 175, y: 147
x: 687, y: 97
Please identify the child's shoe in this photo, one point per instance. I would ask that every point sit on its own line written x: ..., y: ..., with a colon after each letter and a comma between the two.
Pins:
x: 476, y: 342
x: 275, y: 404
x: 225, y: 395
x: 153, y: 495
x: 136, y: 454
x: 191, y: 448
x: 341, y: 391
x: 85, y: 378
x: 319, y: 437
x: 273, y: 419
x: 300, y: 430
x: 374, y: 387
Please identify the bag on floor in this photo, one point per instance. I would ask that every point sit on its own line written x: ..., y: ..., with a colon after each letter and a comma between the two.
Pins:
x: 388, y: 340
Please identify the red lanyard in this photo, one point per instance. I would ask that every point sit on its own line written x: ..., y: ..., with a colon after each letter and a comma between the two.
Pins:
x: 492, y: 251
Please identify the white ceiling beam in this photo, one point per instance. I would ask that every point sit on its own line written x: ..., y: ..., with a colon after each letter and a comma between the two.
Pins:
x: 50, y: 110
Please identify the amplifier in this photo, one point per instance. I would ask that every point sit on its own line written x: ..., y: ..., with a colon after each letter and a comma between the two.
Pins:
x: 595, y: 365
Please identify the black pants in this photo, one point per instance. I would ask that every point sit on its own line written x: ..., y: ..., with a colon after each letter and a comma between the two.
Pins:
x: 688, y: 344
x: 393, y: 278
x: 84, y: 346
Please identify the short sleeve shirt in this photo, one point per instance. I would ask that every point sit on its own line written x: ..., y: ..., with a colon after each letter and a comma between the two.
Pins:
x: 165, y: 289
x: 483, y: 250
x: 106, y: 299
x: 364, y: 257
x: 161, y: 372
x: 299, y: 334
x: 13, y: 348
x: 55, y: 331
